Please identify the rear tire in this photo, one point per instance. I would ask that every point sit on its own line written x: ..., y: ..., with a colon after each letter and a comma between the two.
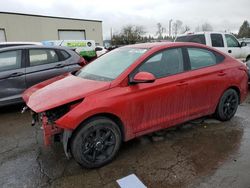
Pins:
x: 228, y: 105
x: 96, y: 143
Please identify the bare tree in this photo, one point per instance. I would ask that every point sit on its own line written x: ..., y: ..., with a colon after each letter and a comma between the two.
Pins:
x: 198, y: 28
x: 177, y: 26
x: 206, y: 27
x: 185, y: 29
x: 160, y: 31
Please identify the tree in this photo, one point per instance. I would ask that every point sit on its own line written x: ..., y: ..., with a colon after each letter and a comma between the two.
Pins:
x: 160, y: 30
x: 185, y: 29
x: 244, y: 30
x: 129, y: 34
x: 206, y: 27
x: 177, y: 26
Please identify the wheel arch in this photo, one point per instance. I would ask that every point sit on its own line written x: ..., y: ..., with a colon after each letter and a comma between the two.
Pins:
x: 236, y: 89
x: 231, y: 87
x: 111, y: 116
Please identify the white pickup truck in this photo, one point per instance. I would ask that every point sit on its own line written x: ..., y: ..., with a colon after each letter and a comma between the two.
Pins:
x: 224, y: 42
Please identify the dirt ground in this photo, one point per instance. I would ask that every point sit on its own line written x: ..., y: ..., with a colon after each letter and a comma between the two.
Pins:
x: 203, y: 153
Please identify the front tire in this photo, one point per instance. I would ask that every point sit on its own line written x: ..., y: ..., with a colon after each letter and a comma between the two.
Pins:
x: 96, y: 143
x: 228, y: 105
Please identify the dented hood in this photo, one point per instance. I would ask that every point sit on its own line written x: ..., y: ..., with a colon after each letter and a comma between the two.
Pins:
x: 60, y: 90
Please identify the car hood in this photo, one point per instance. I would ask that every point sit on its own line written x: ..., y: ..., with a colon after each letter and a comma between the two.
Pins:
x: 59, y: 91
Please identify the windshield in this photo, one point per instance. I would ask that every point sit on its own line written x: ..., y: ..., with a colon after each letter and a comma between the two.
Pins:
x: 109, y: 66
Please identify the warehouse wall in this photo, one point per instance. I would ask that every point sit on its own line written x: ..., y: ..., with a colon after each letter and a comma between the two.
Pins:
x: 37, y: 28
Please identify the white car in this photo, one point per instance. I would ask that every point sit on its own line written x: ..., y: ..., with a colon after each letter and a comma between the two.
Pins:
x: 224, y: 42
x: 100, y: 50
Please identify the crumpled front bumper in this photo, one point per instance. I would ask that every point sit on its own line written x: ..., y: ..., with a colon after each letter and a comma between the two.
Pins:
x: 49, y: 131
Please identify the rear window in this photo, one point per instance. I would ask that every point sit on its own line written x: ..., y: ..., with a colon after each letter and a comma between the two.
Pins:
x: 192, y: 38
x: 200, y: 57
x: 217, y: 40
x: 65, y: 55
x: 42, y: 56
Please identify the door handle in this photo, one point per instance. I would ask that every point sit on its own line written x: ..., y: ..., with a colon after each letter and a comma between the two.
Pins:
x: 230, y: 51
x: 16, y: 74
x: 222, y: 73
x: 182, y: 83
x: 59, y: 66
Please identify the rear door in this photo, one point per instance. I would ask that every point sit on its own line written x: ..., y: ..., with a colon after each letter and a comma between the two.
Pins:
x: 12, y: 76
x: 43, y: 64
x: 207, y: 80
x: 218, y: 42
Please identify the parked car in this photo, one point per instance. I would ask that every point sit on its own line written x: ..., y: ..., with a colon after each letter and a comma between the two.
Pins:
x: 100, y: 50
x: 10, y: 44
x: 224, y: 42
x: 246, y: 40
x: 23, y: 66
x: 132, y: 91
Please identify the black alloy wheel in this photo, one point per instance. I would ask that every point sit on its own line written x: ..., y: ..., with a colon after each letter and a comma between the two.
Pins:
x: 96, y: 143
x: 228, y: 105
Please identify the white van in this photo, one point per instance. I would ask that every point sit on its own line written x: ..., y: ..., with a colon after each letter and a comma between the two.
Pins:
x: 85, y: 48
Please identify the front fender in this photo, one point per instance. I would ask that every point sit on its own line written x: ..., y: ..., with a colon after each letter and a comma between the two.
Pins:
x: 87, y: 109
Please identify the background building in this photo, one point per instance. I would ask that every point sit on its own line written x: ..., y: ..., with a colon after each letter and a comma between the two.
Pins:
x: 36, y: 28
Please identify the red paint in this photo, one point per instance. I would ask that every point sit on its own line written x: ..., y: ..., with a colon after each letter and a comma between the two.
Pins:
x: 49, y: 131
x: 63, y: 90
x: 144, y: 107
x: 144, y: 77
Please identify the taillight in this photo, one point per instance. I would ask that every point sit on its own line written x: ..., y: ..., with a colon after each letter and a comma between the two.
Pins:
x: 82, y: 62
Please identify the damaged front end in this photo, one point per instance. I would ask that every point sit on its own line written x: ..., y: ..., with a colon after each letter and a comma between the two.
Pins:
x: 47, y: 120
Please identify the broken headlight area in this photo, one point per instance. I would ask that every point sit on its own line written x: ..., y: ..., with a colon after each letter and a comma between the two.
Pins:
x: 56, y: 113
x: 47, y: 121
x: 50, y: 129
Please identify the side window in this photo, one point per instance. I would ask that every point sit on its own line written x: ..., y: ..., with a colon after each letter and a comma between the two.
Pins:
x: 201, y: 58
x: 217, y: 40
x: 231, y: 41
x: 165, y: 63
x: 42, y: 56
x: 10, y: 60
x: 65, y: 54
x: 192, y: 38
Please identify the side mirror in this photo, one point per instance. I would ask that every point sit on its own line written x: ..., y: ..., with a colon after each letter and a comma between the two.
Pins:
x: 242, y: 44
x: 143, y: 77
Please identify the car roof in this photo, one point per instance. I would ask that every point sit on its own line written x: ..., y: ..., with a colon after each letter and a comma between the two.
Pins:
x: 164, y: 44
x: 19, y: 43
x: 33, y: 47
x: 202, y: 32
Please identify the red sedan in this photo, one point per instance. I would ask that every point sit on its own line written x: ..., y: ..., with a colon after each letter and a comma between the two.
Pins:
x: 132, y: 91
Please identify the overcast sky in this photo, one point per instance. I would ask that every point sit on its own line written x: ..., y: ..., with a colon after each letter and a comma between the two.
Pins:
x: 221, y: 14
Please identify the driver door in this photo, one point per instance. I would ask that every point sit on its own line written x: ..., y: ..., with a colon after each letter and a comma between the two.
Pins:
x: 233, y: 46
x: 163, y: 102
